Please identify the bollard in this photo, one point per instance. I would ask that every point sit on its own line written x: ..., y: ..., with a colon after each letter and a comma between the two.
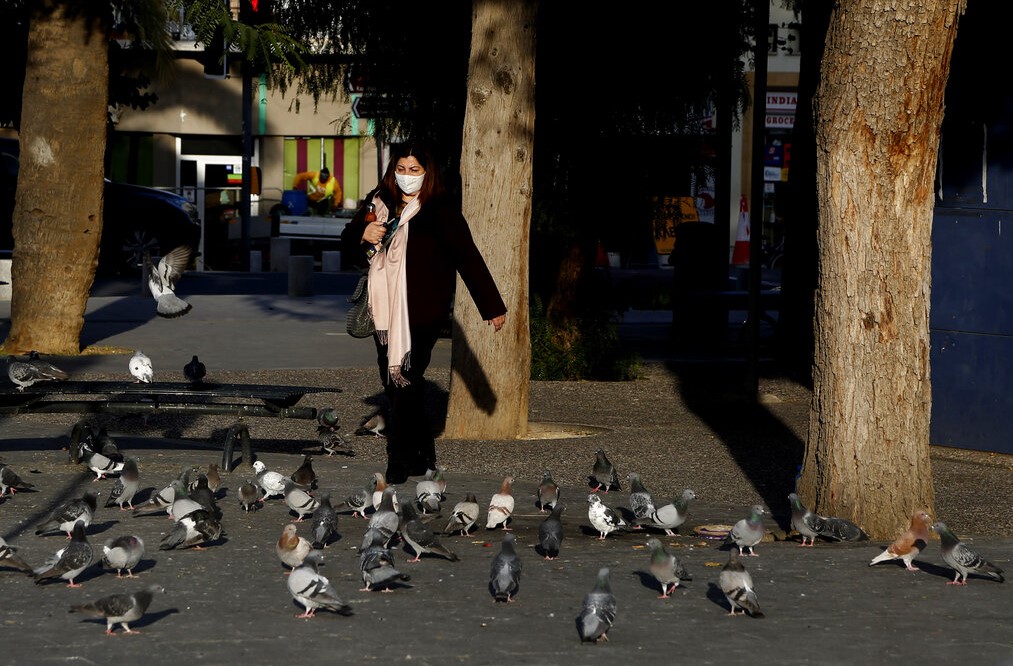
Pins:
x: 300, y: 275
x: 5, y: 279
x: 281, y: 250
x: 330, y: 261
x: 256, y: 261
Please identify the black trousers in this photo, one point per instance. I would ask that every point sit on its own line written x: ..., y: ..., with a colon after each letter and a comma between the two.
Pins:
x: 411, y: 448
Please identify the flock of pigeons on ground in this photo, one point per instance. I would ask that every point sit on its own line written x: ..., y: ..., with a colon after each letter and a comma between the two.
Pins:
x: 191, y: 500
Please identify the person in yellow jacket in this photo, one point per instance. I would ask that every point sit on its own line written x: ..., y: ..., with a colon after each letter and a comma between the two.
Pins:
x: 323, y: 192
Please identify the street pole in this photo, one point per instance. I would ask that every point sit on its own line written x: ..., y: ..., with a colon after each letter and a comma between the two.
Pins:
x: 760, y: 47
x: 244, y: 195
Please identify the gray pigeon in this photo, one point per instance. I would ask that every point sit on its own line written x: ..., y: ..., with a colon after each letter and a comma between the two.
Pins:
x: 107, y: 446
x: 598, y: 611
x: 641, y: 502
x: 842, y: 529
x: 548, y: 492
x: 603, y: 517
x: 195, y: 371
x: 550, y: 532
x: 193, y: 530
x: 10, y: 479
x: 124, y: 552
x: 384, y: 521
x: 428, y: 495
x: 464, y: 516
x: 312, y: 590
x: 358, y: 501
x: 183, y: 505
x: 99, y: 463
x: 121, y: 609
x: 126, y: 486
x: 24, y: 374
x: 45, y: 368
x: 141, y: 368
x: 69, y: 561
x: 325, y: 522
x: 249, y: 495
x: 159, y: 502
x: 9, y: 558
x: 420, y: 536
x: 737, y: 586
x: 333, y: 442
x: 162, y: 281
x: 505, y: 572
x: 603, y: 474
x: 298, y: 499
x: 65, y: 517
x: 747, y: 532
x: 376, y: 562
x: 808, y: 524
x: 964, y: 561
x: 666, y: 568
x: 670, y: 516
x: 327, y: 418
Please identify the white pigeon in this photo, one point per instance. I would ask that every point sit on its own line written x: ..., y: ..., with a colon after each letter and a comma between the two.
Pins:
x: 141, y: 368
x: 314, y: 591
x: 271, y: 482
x: 603, y: 518
x: 162, y: 281
x: 501, y: 506
x: 379, y: 485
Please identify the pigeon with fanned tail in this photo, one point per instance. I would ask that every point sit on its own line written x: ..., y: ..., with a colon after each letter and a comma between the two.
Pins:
x: 69, y: 561
x: 194, y: 530
x: 501, y: 506
x: 141, y: 368
x: 598, y: 611
x: 604, y: 475
x: 641, y: 502
x: 963, y: 559
x: 464, y: 516
x: 65, y: 516
x: 672, y: 515
x: 603, y: 517
x: 25, y: 373
x: 666, y: 568
x: 379, y: 572
x: 325, y: 522
x: 312, y: 590
x: 162, y: 281
x: 10, y: 558
x: 505, y: 572
x: 550, y: 533
x: 121, y: 609
x: 291, y: 548
x: 195, y: 371
x: 747, y: 532
x: 420, y: 536
x: 123, y: 554
x: 548, y: 492
x: 809, y: 525
x: 9, y: 480
x: 909, y: 544
x: 737, y: 586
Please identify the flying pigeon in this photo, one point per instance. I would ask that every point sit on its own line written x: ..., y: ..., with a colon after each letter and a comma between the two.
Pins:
x: 427, y: 494
x: 501, y: 506
x: 964, y: 561
x: 598, y: 611
x: 374, y: 425
x: 376, y: 562
x: 420, y: 536
x: 312, y: 590
x: 292, y: 548
x: 505, y: 572
x: 298, y: 499
x: 9, y: 558
x: 271, y: 482
x: 670, y: 516
x: 737, y: 586
x: 641, y: 502
x: 550, y: 532
x: 325, y: 522
x: 603, y: 474
x: 141, y: 368
x: 548, y: 492
x: 24, y: 374
x: 65, y: 516
x: 464, y: 515
x: 249, y: 495
x: 10, y: 479
x: 842, y: 529
x: 808, y: 524
x: 193, y: 531
x: 162, y: 281
x: 124, y: 552
x: 603, y: 518
x: 384, y: 520
x: 909, y: 544
x: 195, y: 371
x: 666, y: 568
x: 121, y: 609
x: 747, y: 532
x: 69, y: 561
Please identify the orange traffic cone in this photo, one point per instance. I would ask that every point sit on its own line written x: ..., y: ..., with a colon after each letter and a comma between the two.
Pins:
x: 740, y: 254
x: 601, y: 259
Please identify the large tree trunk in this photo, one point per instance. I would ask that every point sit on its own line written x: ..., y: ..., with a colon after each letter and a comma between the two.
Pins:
x: 879, y: 110
x: 58, y: 210
x: 490, y: 372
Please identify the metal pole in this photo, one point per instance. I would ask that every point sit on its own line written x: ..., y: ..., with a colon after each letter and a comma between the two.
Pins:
x: 760, y: 48
x: 244, y: 194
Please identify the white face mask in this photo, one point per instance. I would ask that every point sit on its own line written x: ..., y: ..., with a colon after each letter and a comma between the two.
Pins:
x: 409, y: 184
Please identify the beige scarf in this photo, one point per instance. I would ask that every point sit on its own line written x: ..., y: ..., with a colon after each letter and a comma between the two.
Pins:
x: 388, y: 293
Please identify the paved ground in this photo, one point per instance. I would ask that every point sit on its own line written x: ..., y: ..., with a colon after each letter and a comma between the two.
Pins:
x: 676, y: 426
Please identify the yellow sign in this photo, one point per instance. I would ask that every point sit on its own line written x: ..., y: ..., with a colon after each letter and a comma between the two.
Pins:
x: 668, y: 213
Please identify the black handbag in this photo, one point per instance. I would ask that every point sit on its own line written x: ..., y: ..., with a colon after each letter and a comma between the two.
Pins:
x: 359, y: 321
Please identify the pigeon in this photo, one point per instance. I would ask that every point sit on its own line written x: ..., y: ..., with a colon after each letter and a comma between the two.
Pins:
x: 910, y: 543
x: 427, y: 494
x: 9, y: 479
x: 603, y: 518
x: 124, y: 552
x: 550, y: 532
x: 292, y: 548
x: 501, y: 506
x: 69, y: 561
x: 421, y: 537
x: 670, y: 516
x: 603, y: 474
x: 359, y: 500
x: 271, y: 482
x: 159, y: 502
x: 374, y: 425
x: 548, y: 492
x: 737, y: 586
x: 379, y: 485
x: 201, y: 493
x: 376, y: 562
x: 24, y: 374
x: 598, y: 611
x: 214, y: 478
x: 464, y: 515
x: 162, y: 281
x: 249, y: 495
x: 195, y: 371
x: 67, y: 515
x: 9, y: 558
x: 747, y: 532
x: 842, y: 529
x: 327, y: 418
x: 439, y: 477
x: 299, y: 500
x: 107, y: 446
x: 141, y: 368
x: 964, y: 561
x: 505, y: 572
x: 808, y: 524
x: 121, y: 609
x: 100, y: 464
x: 183, y: 505
x: 45, y: 368
x: 384, y: 520
x: 312, y: 590
x: 192, y: 531
x: 333, y: 442
x: 325, y: 522
x: 666, y: 568
x: 641, y: 502
x: 304, y: 474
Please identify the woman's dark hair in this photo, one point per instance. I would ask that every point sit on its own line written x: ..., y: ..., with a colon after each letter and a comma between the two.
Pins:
x: 431, y: 185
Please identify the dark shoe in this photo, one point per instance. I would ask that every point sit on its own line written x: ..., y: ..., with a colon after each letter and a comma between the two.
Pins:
x: 396, y: 473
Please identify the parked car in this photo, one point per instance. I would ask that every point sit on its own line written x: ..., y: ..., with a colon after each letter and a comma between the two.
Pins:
x: 135, y: 219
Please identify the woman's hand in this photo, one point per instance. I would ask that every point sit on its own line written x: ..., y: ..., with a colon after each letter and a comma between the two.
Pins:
x: 497, y: 322
x: 373, y: 233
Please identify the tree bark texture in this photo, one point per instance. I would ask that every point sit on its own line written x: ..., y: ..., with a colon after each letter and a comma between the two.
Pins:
x: 58, y: 208
x: 490, y: 372
x: 879, y: 111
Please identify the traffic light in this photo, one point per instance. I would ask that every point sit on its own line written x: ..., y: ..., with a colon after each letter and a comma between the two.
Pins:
x: 255, y: 12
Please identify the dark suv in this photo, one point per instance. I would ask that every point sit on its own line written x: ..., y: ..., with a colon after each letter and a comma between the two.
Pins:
x: 135, y: 219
